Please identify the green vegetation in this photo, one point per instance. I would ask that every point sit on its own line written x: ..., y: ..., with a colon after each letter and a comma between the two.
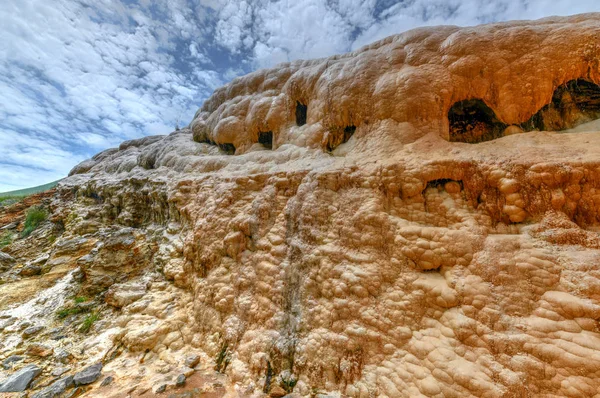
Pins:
x: 81, y: 299
x: 68, y: 311
x: 21, y: 193
x: 9, y: 200
x: 34, y: 217
x: 288, y: 383
x: 88, y: 322
x: 6, y: 238
x: 223, y: 359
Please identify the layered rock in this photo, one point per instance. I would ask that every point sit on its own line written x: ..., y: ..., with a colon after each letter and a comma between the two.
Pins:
x: 397, y: 221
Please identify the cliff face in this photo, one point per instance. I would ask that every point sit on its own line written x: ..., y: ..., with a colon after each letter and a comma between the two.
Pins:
x: 418, y: 217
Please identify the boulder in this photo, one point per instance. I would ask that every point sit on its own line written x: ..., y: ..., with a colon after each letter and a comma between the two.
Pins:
x: 277, y: 392
x: 160, y: 388
x: 56, y: 389
x: 32, y: 330
x: 88, y: 375
x: 9, y: 362
x: 39, y: 350
x: 6, y: 261
x: 20, y: 380
x: 180, y: 381
x: 30, y: 270
x: 192, y: 360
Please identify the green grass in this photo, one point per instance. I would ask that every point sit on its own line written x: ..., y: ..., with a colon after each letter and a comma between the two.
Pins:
x: 9, y: 200
x: 34, y: 217
x: 6, y: 238
x: 88, y: 322
x: 68, y: 311
x: 21, y: 193
x: 81, y: 299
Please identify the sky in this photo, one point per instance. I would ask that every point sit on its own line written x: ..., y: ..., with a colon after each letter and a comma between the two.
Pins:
x: 80, y: 76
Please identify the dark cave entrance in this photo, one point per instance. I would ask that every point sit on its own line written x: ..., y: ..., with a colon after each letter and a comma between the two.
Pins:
x: 472, y: 121
x: 227, y: 148
x: 574, y: 103
x: 337, y: 136
x: 266, y: 138
x: 301, y: 113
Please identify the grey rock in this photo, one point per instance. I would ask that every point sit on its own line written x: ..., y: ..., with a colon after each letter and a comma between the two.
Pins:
x: 88, y: 375
x: 41, y: 260
x: 12, y: 225
x: 56, y: 389
x: 6, y: 322
x: 180, y: 381
x: 192, y: 360
x: 59, y: 371
x: 8, y: 362
x: 161, y: 388
x: 6, y: 261
x: 61, y: 355
x: 30, y: 331
x: 24, y: 325
x: 30, y: 270
x: 108, y: 380
x: 19, y: 381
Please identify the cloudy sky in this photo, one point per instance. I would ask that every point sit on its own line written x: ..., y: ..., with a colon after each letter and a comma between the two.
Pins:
x: 80, y: 76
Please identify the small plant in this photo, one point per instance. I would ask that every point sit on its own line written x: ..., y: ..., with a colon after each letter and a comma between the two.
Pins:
x: 88, y: 322
x: 6, y: 239
x: 223, y: 358
x: 34, y: 217
x: 80, y: 299
x: 288, y: 382
x: 68, y: 311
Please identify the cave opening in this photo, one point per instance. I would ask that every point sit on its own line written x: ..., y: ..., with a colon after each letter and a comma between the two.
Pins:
x: 574, y: 103
x: 338, y: 136
x: 472, y: 121
x: 266, y: 139
x: 227, y: 148
x: 301, y: 113
x: 348, y: 133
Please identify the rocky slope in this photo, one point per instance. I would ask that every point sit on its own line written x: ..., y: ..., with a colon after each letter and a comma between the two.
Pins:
x: 417, y: 218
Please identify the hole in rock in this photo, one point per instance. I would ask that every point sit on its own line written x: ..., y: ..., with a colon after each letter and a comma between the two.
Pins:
x: 348, y: 133
x: 337, y: 137
x: 573, y: 103
x: 472, y: 121
x: 301, y: 111
x: 266, y: 138
x: 227, y: 148
x: 447, y: 184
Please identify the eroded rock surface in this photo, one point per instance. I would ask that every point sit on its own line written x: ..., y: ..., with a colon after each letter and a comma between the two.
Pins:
x: 399, y: 221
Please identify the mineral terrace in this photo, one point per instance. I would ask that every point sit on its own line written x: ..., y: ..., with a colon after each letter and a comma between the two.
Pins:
x: 419, y: 217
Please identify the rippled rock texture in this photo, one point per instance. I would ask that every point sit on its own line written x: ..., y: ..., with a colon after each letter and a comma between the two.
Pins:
x: 417, y: 218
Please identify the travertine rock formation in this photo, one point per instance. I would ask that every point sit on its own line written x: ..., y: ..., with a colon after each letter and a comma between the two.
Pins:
x: 416, y: 218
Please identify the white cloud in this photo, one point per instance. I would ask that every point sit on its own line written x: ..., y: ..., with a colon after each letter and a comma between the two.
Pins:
x: 408, y: 15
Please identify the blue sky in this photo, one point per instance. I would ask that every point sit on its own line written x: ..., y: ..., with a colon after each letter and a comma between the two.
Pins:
x: 80, y: 76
